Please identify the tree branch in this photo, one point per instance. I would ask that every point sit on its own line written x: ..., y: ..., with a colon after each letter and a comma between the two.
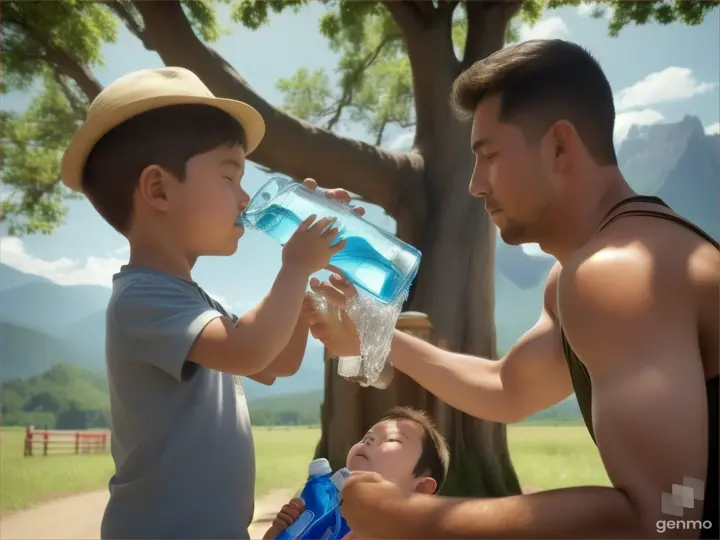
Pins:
x: 292, y: 146
x: 425, y: 9
x: 433, y: 63
x: 130, y: 22
x: 486, y: 26
x: 346, y: 97
x: 59, y: 59
x: 406, y: 17
x: 72, y: 99
x: 447, y: 7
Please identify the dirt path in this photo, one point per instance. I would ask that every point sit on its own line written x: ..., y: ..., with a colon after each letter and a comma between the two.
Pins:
x: 78, y: 517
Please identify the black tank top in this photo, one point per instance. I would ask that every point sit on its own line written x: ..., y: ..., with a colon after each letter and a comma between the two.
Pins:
x: 583, y: 387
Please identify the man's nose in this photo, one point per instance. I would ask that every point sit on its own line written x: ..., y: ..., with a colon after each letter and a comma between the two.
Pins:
x: 479, y: 186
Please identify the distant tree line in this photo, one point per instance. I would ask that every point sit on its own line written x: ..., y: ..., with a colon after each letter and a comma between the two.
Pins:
x: 70, y: 397
x: 269, y: 416
x: 63, y: 397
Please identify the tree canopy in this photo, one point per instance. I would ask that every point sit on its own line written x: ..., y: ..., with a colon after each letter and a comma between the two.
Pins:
x: 51, y: 48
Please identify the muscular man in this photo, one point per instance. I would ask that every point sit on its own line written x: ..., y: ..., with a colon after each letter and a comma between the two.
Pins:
x: 629, y: 320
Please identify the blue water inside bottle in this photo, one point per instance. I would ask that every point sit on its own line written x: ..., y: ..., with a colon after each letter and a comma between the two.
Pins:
x: 361, y: 263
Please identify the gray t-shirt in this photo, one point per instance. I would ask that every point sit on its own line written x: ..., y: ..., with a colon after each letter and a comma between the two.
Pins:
x: 181, y: 438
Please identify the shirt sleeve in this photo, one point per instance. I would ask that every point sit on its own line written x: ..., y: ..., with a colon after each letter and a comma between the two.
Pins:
x: 157, y: 322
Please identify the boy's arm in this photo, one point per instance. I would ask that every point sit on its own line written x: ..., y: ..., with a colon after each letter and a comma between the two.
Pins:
x: 288, y: 361
x: 257, y: 338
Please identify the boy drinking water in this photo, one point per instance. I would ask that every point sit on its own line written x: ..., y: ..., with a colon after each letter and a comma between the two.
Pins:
x: 161, y: 160
x: 404, y: 448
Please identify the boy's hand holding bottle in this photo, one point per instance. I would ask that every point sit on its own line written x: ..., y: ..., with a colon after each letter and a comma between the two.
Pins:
x: 287, y: 515
x: 310, y: 248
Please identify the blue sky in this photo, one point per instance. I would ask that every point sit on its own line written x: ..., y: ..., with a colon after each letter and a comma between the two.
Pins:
x: 658, y: 73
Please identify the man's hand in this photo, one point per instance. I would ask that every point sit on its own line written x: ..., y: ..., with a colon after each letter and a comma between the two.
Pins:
x: 339, y: 336
x: 367, y: 498
x: 339, y: 195
x: 287, y: 515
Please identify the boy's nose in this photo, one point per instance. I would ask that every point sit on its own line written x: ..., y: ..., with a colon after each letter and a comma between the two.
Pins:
x: 243, y: 200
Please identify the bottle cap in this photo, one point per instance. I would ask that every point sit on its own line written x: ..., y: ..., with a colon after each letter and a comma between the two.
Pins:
x: 339, y: 478
x: 318, y: 467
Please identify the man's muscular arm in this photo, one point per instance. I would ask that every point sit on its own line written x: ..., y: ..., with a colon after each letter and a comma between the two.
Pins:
x: 532, y: 376
x: 632, y: 322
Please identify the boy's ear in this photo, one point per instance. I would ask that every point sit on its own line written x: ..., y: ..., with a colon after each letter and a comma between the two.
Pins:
x: 425, y: 485
x: 152, y: 187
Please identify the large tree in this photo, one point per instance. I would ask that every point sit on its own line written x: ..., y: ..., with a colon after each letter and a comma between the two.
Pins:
x: 398, y: 60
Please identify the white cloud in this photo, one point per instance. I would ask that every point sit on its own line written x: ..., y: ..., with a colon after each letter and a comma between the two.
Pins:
x: 624, y: 121
x: 63, y: 271
x: 552, y: 27
x: 671, y: 84
x: 713, y: 129
x: 592, y: 9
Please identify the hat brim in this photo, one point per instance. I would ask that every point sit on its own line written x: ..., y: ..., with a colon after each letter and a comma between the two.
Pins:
x: 97, y: 125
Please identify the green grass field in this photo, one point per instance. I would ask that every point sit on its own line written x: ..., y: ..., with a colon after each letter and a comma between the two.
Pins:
x: 544, y: 457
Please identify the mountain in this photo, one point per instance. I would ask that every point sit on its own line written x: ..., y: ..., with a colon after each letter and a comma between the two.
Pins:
x: 680, y: 164
x: 42, y: 324
x: 11, y: 278
x: 516, y: 309
x: 25, y: 352
x: 47, y: 307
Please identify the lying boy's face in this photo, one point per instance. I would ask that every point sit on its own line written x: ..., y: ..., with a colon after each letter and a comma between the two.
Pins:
x: 205, y: 206
x: 392, y: 449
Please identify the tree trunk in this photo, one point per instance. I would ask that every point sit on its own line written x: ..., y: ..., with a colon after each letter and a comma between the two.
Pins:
x: 455, y: 285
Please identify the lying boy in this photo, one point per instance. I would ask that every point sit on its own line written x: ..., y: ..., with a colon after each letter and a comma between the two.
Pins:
x: 404, y: 448
x: 161, y: 160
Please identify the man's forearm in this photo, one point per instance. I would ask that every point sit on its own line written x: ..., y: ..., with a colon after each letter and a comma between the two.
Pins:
x: 467, y: 383
x: 582, y: 512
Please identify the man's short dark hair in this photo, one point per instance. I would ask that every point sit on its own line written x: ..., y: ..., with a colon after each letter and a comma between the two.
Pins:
x: 168, y: 137
x: 435, y: 457
x: 540, y: 82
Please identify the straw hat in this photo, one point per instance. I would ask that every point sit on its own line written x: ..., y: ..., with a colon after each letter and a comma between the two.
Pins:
x: 140, y: 92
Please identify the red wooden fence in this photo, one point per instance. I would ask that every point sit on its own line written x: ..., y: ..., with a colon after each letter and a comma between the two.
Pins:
x: 64, y: 441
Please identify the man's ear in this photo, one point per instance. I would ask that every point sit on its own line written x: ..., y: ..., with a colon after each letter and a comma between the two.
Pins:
x: 425, y: 485
x: 559, y: 145
x: 152, y: 187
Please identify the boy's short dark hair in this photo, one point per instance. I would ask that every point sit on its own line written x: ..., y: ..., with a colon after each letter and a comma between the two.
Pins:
x: 435, y: 456
x: 168, y: 137
x: 540, y: 82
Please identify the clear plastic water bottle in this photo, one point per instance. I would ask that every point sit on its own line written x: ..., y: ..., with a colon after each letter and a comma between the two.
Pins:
x: 321, y: 517
x: 374, y: 260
